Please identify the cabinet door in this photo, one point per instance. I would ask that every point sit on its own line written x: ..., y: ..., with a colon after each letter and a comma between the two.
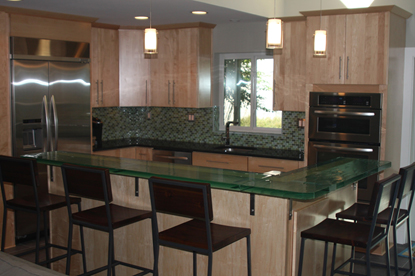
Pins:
x: 163, y: 68
x: 143, y: 153
x: 123, y: 153
x: 134, y: 69
x: 220, y: 161
x: 104, y: 67
x: 261, y: 165
x: 367, y: 37
x: 109, y: 63
x: 328, y: 69
x: 289, y: 69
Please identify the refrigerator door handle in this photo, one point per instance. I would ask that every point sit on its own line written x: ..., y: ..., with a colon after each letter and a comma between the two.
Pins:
x: 55, y: 123
x: 45, y: 120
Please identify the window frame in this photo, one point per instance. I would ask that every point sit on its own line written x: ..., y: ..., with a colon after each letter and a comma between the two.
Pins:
x: 252, y: 128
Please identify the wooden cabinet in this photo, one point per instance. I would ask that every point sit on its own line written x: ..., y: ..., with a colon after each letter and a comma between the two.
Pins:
x: 143, y: 153
x: 261, y: 165
x: 289, y: 69
x: 122, y: 152
x: 104, y: 67
x: 180, y: 76
x: 134, y: 73
x: 220, y: 161
x: 357, y: 49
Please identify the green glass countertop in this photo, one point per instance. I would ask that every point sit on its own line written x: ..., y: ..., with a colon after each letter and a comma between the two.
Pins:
x: 301, y: 184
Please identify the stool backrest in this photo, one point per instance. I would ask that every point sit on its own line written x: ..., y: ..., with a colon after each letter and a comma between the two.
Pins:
x: 407, y: 184
x: 186, y: 199
x: 92, y: 183
x: 18, y: 170
x: 386, y: 193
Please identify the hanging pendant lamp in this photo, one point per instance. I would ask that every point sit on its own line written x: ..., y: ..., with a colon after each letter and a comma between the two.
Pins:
x: 320, y: 39
x: 274, y: 35
x: 150, y: 39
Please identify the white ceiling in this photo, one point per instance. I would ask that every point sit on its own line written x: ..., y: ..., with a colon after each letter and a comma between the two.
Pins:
x: 122, y: 12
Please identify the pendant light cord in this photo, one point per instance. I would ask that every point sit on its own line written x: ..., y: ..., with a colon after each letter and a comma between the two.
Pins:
x: 321, y: 11
x: 151, y: 2
x: 275, y: 8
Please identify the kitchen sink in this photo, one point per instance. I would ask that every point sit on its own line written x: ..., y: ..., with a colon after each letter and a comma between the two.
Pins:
x: 235, y: 149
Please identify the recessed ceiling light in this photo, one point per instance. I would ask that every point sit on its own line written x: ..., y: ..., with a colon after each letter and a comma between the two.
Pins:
x: 199, y: 12
x: 141, y: 17
x: 14, y: 0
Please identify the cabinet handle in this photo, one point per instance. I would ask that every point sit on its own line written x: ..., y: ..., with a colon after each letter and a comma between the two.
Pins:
x: 347, y: 72
x: 272, y: 167
x: 102, y: 92
x: 340, y: 68
x: 146, y: 94
x: 97, y: 92
x: 212, y: 161
x: 174, y: 101
x: 168, y: 92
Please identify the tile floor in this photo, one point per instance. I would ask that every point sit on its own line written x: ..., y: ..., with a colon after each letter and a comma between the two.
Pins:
x: 376, y: 271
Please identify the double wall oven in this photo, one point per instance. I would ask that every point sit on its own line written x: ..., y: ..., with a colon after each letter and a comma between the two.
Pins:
x: 348, y: 125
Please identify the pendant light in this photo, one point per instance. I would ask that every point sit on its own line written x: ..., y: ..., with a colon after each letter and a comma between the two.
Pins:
x: 320, y: 40
x: 150, y: 38
x: 274, y: 32
x: 354, y: 4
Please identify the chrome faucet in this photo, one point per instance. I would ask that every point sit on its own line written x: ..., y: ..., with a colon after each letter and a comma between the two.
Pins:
x: 227, y: 138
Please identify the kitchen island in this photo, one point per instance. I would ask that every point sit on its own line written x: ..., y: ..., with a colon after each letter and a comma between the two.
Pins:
x: 276, y: 208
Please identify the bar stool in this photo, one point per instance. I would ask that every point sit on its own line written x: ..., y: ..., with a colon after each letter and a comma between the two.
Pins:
x: 356, y: 234
x: 94, y: 183
x: 191, y: 200
x: 24, y: 171
x: 360, y: 212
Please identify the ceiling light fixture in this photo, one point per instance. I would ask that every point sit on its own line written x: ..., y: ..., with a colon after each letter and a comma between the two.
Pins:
x: 150, y: 38
x: 354, y: 4
x: 199, y: 12
x: 274, y: 32
x: 320, y: 38
x: 141, y: 17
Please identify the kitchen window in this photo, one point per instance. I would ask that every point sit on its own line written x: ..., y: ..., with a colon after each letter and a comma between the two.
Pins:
x: 246, y: 93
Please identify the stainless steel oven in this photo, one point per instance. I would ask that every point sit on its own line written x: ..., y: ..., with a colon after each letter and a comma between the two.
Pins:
x: 348, y: 125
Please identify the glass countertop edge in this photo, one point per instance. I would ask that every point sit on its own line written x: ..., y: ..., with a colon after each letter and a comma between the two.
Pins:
x: 242, y: 180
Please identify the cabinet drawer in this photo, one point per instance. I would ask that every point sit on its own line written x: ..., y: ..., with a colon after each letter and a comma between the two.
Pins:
x: 220, y: 161
x: 143, y: 153
x: 261, y: 165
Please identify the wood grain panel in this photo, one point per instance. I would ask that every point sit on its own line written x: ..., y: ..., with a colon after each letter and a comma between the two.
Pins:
x: 143, y: 153
x: 134, y: 69
x: 220, y: 161
x: 48, y: 28
x: 289, y: 69
x: 261, y: 165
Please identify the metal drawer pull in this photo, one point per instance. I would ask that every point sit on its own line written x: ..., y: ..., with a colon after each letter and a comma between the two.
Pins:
x: 213, y: 161
x: 272, y: 167
x: 363, y: 114
x: 344, y: 149
x: 173, y: 157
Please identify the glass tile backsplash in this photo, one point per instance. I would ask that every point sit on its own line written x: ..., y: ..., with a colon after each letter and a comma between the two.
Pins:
x: 170, y: 123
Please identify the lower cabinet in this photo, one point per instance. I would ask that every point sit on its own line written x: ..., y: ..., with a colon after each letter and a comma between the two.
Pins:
x: 220, y: 161
x: 141, y: 153
x: 261, y: 165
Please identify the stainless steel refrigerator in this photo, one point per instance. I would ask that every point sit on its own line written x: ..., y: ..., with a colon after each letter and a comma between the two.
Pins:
x: 50, y: 85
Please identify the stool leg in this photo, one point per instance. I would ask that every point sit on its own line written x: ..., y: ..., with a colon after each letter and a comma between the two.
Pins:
x: 333, y: 259
x: 45, y: 233
x: 210, y: 257
x: 195, y: 264
x: 300, y: 267
x: 37, y: 238
x: 351, y: 258
x: 326, y: 247
x: 395, y: 243
x: 388, y: 266
x: 113, y: 256
x: 248, y: 250
x: 368, y: 272
x: 110, y: 249
x: 69, y: 248
x: 3, y: 234
x: 411, y: 263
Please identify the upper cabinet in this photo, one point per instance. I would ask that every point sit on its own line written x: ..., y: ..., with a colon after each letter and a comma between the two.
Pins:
x: 180, y: 76
x: 357, y: 49
x: 104, y: 67
x: 289, y: 69
x: 134, y: 69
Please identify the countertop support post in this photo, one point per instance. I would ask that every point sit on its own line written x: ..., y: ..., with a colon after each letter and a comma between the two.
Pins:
x: 290, y: 210
x: 252, y: 205
x: 137, y: 187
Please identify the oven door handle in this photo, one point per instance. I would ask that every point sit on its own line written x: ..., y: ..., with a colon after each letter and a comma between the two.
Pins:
x: 344, y: 149
x: 362, y: 114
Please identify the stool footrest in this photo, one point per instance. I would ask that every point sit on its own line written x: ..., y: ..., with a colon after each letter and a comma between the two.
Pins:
x: 115, y: 263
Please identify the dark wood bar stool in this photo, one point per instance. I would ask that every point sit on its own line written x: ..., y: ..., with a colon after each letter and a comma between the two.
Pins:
x: 94, y: 183
x: 24, y: 172
x: 199, y: 235
x: 365, y: 235
x: 360, y: 212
